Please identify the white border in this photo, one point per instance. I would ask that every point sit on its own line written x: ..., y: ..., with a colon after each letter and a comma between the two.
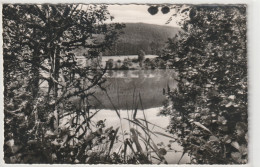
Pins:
x: 253, y: 61
x: 133, y: 1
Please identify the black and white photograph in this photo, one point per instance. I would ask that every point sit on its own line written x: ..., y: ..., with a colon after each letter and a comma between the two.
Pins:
x: 104, y: 83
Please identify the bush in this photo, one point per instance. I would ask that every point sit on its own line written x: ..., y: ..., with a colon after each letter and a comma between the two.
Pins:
x: 209, y: 109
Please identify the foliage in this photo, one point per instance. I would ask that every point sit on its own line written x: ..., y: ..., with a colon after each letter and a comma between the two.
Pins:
x: 157, y: 63
x: 140, y: 36
x: 209, y: 108
x: 127, y: 63
x: 110, y: 64
x: 138, y: 145
x: 141, y: 57
x: 42, y: 74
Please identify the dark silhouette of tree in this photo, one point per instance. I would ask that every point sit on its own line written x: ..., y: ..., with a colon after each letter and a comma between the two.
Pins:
x: 110, y: 64
x: 209, y: 109
x: 141, y: 57
x: 40, y: 43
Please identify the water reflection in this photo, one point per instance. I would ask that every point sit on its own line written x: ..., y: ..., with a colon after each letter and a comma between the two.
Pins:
x: 111, y: 119
x: 125, y: 86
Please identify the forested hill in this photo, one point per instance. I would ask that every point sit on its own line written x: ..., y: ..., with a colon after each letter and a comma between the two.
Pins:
x: 140, y: 36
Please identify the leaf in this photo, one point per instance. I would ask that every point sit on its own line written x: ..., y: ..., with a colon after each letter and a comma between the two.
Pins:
x: 229, y: 104
x: 112, y: 141
x: 208, y: 86
x: 108, y: 129
x: 49, y: 133
x: 125, y: 148
x: 240, y: 128
x: 117, y: 112
x: 159, y: 144
x: 163, y: 134
x: 156, y: 150
x: 232, y: 97
x: 82, y: 134
x: 243, y: 149
x: 10, y: 143
x: 236, y: 156
x: 55, y: 142
x: 13, y: 159
x: 227, y: 139
x: 181, y: 156
x: 213, y: 138
x: 184, y: 125
x: 152, y: 124
x: 222, y: 120
x: 235, y: 145
x: 134, y: 116
x: 171, y: 141
x: 16, y: 148
x: 89, y: 137
x: 202, y: 126
x: 246, y: 137
x: 32, y: 142
x: 162, y: 151
x: 135, y: 140
x: 138, y: 123
x: 156, y: 158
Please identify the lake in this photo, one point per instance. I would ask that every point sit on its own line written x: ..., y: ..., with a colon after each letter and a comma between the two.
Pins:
x: 125, y: 88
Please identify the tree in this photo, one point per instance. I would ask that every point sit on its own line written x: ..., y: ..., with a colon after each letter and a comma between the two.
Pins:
x: 40, y: 43
x: 127, y: 63
x: 208, y: 110
x: 110, y: 64
x: 141, y: 57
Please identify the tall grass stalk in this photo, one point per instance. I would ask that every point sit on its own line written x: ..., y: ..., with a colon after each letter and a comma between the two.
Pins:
x: 138, y: 144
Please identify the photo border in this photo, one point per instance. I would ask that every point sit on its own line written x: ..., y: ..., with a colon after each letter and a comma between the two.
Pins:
x: 253, y: 11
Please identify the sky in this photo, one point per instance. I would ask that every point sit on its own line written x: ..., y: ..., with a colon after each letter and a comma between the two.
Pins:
x: 138, y: 13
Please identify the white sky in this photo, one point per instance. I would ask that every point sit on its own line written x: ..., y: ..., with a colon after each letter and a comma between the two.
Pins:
x: 138, y: 13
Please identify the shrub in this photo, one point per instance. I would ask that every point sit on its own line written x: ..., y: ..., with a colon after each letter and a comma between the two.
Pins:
x: 209, y: 108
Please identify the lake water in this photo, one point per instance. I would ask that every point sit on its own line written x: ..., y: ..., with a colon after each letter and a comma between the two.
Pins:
x: 125, y: 89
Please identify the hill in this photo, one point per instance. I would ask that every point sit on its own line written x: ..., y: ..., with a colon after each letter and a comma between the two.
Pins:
x: 140, y: 36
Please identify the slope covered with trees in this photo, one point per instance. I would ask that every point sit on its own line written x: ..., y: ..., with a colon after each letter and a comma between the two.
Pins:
x: 140, y: 36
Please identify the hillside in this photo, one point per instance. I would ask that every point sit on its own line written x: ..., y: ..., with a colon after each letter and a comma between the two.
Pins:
x: 141, y: 36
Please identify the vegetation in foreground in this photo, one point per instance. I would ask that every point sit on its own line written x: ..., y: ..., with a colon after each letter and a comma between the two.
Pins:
x: 41, y: 75
x: 209, y: 109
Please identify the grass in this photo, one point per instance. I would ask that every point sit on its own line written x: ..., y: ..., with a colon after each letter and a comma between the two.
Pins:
x: 95, y: 143
x: 137, y: 141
